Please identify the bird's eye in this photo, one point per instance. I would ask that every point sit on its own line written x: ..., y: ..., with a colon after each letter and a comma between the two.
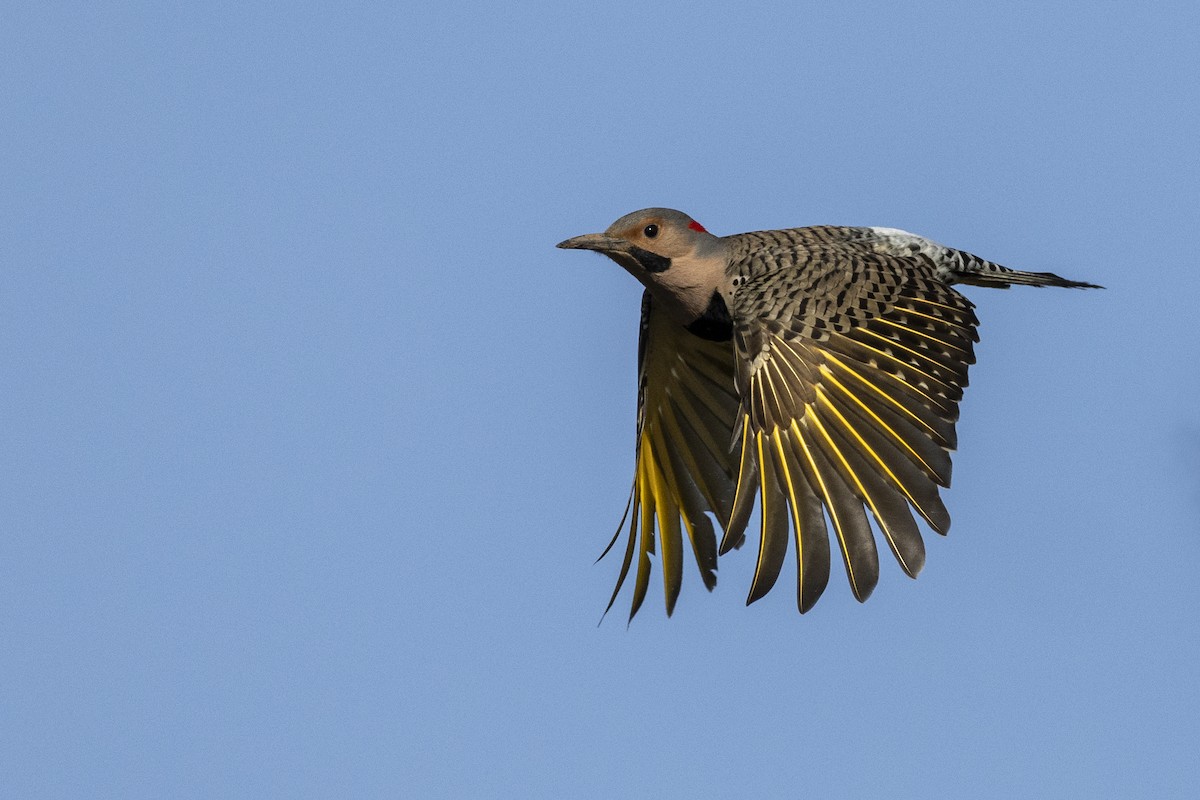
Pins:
x: 651, y: 231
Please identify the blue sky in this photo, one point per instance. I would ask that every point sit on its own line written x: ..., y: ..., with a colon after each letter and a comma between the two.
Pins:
x: 312, y: 436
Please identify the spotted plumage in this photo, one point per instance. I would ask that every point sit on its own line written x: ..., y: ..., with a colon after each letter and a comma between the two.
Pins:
x: 815, y: 371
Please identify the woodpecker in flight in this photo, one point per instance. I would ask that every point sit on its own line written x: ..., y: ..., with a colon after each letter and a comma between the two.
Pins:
x: 818, y: 369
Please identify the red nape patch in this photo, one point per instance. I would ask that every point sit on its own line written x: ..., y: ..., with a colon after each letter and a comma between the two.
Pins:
x: 696, y: 226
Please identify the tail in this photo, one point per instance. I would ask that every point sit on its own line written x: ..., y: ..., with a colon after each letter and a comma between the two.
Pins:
x: 979, y: 272
x: 1004, y: 277
x: 958, y: 266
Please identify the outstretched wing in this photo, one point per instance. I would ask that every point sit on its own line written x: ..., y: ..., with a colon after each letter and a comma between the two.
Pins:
x: 687, y: 410
x: 850, y: 369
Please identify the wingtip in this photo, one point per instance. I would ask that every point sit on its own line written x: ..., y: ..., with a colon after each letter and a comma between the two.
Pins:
x: 864, y: 594
x: 732, y: 543
x: 756, y: 594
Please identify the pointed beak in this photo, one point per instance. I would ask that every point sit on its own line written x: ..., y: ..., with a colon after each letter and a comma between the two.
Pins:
x: 595, y: 241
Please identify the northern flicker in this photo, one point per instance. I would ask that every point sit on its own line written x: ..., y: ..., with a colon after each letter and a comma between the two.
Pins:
x: 818, y: 369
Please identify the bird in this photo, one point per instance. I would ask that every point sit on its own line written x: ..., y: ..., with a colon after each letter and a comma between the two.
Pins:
x: 815, y: 371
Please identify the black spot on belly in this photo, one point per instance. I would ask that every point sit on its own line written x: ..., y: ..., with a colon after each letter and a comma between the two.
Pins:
x: 651, y: 262
x: 714, y: 324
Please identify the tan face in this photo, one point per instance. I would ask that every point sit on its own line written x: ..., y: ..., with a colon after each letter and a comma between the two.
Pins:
x: 669, y: 253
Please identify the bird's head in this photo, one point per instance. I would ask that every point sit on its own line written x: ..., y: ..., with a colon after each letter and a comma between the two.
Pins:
x: 649, y: 241
x: 680, y: 262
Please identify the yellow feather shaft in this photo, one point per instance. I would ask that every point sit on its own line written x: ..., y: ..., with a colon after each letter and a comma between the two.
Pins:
x: 798, y: 440
x: 952, y: 324
x: 646, y: 542
x: 882, y: 394
x: 794, y: 505
x: 904, y: 364
x: 878, y: 421
x: 924, y: 335
x: 666, y: 509
x: 762, y: 494
x: 849, y: 470
x: 846, y: 426
x: 741, y: 479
